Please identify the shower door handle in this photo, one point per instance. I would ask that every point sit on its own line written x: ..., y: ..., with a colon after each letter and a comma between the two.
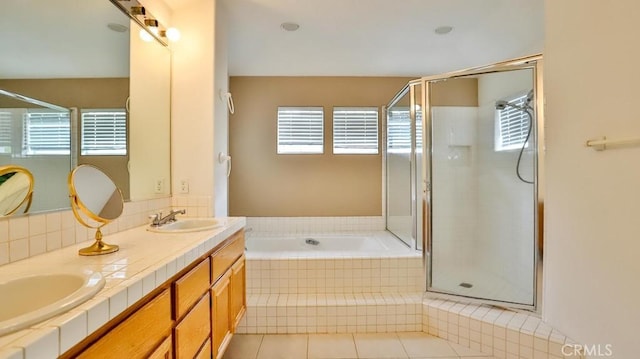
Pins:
x: 427, y: 218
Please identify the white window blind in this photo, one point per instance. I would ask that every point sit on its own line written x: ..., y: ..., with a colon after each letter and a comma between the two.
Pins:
x: 355, y: 130
x: 5, y: 132
x: 512, y: 125
x: 300, y: 130
x: 104, y: 132
x: 399, y: 130
x: 46, y: 133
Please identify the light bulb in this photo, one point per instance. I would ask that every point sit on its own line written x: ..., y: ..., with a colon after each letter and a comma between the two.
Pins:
x: 173, y: 34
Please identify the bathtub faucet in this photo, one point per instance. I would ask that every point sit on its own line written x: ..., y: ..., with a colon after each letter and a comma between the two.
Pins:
x: 157, y: 220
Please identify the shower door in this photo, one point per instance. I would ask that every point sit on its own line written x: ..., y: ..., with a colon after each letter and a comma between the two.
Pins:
x: 403, y: 165
x: 481, y: 184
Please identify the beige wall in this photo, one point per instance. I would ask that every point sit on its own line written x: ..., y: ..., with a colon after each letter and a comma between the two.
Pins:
x: 82, y: 93
x: 591, y: 212
x: 456, y: 92
x: 193, y: 99
x: 263, y: 183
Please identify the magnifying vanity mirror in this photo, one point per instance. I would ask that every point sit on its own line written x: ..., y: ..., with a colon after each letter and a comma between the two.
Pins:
x: 16, y: 189
x: 95, y: 202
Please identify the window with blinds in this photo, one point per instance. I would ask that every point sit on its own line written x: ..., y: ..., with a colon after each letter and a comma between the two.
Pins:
x: 300, y: 130
x: 104, y: 132
x: 355, y: 130
x: 512, y: 125
x: 5, y: 132
x: 46, y: 133
x: 399, y: 130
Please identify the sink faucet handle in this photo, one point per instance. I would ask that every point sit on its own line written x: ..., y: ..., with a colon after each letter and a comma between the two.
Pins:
x: 155, y: 218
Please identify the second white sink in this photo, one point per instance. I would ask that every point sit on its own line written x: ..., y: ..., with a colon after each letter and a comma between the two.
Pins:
x: 188, y: 225
x: 31, y: 299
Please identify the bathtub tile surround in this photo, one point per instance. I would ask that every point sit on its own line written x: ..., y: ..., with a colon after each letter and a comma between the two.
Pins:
x: 295, y: 225
x: 374, y: 287
x: 332, y: 313
x: 26, y: 236
x: 335, y: 276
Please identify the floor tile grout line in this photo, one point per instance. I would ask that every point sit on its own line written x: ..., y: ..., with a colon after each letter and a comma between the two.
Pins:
x: 259, y: 346
x: 355, y: 346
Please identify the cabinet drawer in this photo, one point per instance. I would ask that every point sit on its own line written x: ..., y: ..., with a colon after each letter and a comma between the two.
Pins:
x: 191, y: 287
x: 193, y: 330
x: 224, y: 258
x: 138, y: 335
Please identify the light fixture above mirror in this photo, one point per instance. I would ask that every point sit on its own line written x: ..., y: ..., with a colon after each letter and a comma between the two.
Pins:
x: 151, y: 27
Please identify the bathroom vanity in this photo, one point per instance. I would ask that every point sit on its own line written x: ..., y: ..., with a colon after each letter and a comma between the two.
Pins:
x: 178, y: 295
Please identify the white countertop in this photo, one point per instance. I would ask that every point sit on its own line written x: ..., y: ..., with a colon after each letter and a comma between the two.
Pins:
x: 145, y: 261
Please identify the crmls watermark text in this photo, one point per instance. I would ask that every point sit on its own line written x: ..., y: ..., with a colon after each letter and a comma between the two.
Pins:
x: 592, y: 350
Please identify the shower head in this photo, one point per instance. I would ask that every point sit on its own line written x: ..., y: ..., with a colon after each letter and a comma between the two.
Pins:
x: 529, y: 97
x: 502, y: 104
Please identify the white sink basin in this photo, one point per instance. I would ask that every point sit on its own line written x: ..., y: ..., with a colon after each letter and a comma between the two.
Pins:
x: 31, y: 299
x: 188, y: 225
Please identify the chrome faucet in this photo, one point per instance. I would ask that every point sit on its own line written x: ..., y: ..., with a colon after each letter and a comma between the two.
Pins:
x: 157, y: 220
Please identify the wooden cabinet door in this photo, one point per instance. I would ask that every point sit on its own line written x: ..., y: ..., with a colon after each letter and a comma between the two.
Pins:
x: 220, y: 315
x: 163, y: 351
x: 193, y: 330
x: 205, y: 351
x: 238, y: 296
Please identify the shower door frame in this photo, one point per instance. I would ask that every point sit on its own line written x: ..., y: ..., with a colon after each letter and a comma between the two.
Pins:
x: 534, y: 63
x: 407, y: 89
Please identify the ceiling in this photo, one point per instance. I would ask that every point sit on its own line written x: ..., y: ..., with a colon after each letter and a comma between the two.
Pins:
x: 378, y: 37
x: 336, y: 37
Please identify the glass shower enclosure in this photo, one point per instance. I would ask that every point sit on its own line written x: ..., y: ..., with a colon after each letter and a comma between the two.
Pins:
x: 462, y: 180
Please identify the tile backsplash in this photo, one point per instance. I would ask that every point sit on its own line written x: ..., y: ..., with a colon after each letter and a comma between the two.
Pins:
x: 29, y: 235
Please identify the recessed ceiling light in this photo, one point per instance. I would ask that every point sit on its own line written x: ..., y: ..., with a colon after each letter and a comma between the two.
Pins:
x: 442, y: 30
x: 289, y: 26
x: 117, y: 27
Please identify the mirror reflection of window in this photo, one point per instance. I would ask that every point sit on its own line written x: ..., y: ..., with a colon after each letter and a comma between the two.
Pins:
x: 103, y: 132
x: 46, y: 132
x: 6, y: 129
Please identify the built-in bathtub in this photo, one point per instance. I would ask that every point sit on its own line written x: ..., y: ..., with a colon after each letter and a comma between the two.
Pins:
x: 379, y: 244
x: 332, y: 283
x: 371, y: 262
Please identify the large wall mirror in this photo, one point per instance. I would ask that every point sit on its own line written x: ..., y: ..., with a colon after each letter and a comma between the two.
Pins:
x: 88, y: 55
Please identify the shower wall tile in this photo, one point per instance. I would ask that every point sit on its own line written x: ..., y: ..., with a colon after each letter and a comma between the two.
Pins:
x: 26, y: 236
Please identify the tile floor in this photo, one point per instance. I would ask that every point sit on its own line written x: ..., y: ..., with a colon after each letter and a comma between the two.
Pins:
x: 347, y: 346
